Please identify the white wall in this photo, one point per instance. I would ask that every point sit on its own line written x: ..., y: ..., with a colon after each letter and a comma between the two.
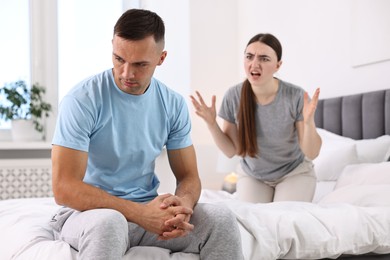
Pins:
x: 213, y: 52
x: 175, y: 71
x: 316, y: 38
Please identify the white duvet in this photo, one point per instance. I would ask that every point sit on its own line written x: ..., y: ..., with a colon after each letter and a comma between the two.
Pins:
x: 282, y: 230
x: 25, y: 235
x: 300, y: 230
x: 351, y: 214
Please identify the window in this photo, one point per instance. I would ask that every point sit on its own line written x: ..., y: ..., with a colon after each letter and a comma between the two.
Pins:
x: 15, y: 44
x: 83, y: 46
x: 84, y: 39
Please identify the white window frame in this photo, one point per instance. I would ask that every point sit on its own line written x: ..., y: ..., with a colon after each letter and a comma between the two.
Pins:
x: 44, y: 54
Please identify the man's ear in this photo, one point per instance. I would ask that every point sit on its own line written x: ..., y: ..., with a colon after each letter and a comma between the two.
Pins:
x: 162, y: 58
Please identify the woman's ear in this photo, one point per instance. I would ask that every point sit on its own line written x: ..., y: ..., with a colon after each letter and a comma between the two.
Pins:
x: 279, y: 64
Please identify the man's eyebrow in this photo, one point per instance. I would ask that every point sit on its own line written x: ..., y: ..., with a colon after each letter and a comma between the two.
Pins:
x: 136, y: 62
x: 116, y: 55
x: 141, y: 62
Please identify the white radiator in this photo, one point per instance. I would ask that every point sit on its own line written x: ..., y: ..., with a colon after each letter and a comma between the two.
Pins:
x: 25, y: 178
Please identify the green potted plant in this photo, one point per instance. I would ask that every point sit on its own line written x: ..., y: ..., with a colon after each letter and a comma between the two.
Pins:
x: 21, y: 102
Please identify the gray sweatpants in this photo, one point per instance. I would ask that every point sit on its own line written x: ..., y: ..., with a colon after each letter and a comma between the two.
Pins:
x: 105, y: 234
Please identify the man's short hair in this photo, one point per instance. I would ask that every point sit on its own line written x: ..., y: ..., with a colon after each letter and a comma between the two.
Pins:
x: 137, y: 24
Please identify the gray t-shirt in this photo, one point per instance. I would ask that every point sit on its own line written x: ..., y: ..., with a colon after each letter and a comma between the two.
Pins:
x: 277, y: 137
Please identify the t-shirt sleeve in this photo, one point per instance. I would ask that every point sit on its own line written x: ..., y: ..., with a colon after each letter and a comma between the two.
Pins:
x: 74, y: 124
x: 227, y: 109
x: 299, y: 106
x: 180, y: 131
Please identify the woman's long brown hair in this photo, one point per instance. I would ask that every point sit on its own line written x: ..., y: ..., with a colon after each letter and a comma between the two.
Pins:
x: 247, y: 135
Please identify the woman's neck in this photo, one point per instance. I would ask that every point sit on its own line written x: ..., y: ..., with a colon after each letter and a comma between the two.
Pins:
x: 266, y: 93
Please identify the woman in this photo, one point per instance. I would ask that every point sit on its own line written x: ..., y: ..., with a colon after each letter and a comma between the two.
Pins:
x: 270, y: 124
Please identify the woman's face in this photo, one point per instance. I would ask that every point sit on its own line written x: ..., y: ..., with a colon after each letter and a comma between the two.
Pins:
x: 260, y: 63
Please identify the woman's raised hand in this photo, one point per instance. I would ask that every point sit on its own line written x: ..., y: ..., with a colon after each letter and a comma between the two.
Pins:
x: 310, y: 106
x: 201, y: 109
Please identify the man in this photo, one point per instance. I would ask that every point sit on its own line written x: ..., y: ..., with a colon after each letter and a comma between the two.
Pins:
x: 110, y: 129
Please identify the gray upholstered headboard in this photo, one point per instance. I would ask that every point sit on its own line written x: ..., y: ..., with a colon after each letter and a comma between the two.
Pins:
x: 358, y: 116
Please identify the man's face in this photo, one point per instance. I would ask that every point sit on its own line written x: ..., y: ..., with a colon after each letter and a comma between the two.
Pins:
x: 134, y: 63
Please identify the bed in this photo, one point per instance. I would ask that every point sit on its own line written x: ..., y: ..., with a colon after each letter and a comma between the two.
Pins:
x: 349, y: 217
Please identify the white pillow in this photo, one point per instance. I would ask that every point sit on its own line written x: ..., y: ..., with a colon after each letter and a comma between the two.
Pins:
x: 329, y: 136
x: 332, y: 159
x: 360, y: 195
x: 323, y: 188
x: 365, y: 174
x: 368, y: 150
x: 387, y: 156
x: 365, y: 185
x: 373, y: 150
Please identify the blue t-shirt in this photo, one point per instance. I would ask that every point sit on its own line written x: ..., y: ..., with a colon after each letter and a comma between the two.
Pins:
x: 122, y: 133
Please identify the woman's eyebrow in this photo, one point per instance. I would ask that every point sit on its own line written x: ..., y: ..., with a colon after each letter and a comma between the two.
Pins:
x: 260, y: 56
x: 264, y: 56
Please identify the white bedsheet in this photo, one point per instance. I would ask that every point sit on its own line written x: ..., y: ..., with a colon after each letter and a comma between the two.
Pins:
x: 300, y: 230
x: 284, y: 230
x: 25, y: 235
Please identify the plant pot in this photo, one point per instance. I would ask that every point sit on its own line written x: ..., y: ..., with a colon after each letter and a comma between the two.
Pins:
x: 23, y: 130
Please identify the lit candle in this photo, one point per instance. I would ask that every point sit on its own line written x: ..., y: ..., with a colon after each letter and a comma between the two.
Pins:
x: 229, y: 182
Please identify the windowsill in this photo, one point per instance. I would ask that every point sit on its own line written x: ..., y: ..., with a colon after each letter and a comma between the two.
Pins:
x: 10, y: 145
